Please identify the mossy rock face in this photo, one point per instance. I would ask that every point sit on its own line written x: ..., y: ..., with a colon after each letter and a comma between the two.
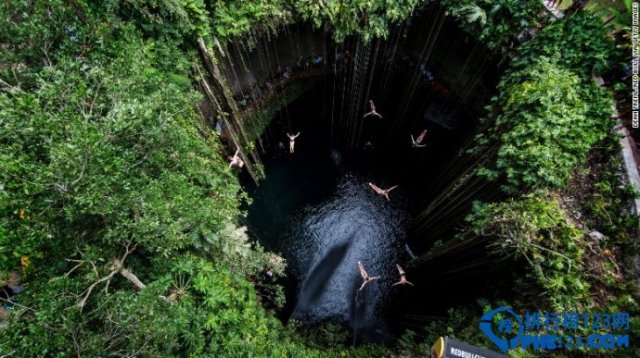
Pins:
x: 259, y: 118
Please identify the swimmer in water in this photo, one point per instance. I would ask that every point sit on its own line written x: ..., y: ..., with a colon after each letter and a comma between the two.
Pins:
x: 383, y: 192
x: 292, y: 141
x: 417, y: 143
x: 365, y: 277
x: 236, y: 161
x: 403, y: 277
x: 373, y: 111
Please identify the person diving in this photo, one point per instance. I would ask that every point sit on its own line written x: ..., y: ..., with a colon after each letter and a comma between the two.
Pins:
x: 373, y: 111
x: 365, y: 277
x: 292, y: 142
x: 417, y: 143
x: 383, y: 192
x: 403, y: 277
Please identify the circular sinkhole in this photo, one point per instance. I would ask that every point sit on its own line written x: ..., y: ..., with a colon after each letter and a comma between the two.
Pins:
x: 315, y: 206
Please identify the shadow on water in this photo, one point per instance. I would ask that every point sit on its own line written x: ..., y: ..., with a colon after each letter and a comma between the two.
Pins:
x: 323, y: 241
x: 314, y: 284
x: 316, y: 209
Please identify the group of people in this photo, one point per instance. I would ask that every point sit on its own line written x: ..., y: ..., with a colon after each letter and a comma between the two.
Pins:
x: 385, y: 193
x: 366, y: 278
x: 255, y: 92
x: 237, y: 162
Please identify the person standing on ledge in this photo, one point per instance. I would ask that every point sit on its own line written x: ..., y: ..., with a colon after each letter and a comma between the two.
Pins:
x: 373, y: 111
x: 236, y: 161
x: 292, y: 142
x: 383, y: 192
x: 365, y: 277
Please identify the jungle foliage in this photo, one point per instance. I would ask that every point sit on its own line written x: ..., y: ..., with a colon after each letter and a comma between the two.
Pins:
x: 536, y: 228
x: 549, y: 134
x: 497, y: 23
x: 116, y: 198
x: 367, y: 19
x: 120, y: 197
x: 548, y: 111
x: 548, y: 120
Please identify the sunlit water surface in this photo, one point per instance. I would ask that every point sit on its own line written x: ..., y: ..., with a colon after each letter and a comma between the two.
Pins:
x: 320, y: 214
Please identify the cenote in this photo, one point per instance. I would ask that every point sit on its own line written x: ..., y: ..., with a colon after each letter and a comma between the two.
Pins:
x: 150, y: 205
x: 315, y: 206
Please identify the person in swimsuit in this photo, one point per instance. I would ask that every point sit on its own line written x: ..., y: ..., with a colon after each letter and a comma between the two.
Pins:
x: 417, y: 143
x: 292, y: 141
x: 373, y: 111
x: 236, y: 161
x: 365, y: 277
x: 383, y: 192
x: 403, y: 277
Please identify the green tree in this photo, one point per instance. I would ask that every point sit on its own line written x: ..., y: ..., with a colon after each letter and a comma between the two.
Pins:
x: 119, y: 196
x: 545, y: 126
x: 496, y: 22
x: 535, y: 228
x: 368, y: 19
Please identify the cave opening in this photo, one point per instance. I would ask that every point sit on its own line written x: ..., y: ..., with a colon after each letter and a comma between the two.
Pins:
x: 315, y: 206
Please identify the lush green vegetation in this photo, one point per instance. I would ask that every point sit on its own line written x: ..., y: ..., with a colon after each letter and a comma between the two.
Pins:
x: 368, y: 19
x: 549, y: 142
x: 536, y: 228
x: 121, y: 200
x: 120, y: 197
x: 548, y: 120
x: 549, y: 112
x: 497, y: 23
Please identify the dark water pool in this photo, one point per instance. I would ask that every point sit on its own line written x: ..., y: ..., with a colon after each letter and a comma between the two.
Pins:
x: 316, y: 209
x: 320, y: 214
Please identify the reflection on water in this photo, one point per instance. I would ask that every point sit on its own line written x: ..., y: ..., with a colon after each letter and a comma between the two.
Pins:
x: 324, y: 218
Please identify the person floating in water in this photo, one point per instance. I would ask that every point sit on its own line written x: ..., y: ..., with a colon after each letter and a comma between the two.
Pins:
x: 236, y: 161
x: 403, y: 277
x: 417, y: 143
x: 383, y: 192
x: 365, y: 277
x: 373, y: 111
x: 292, y: 141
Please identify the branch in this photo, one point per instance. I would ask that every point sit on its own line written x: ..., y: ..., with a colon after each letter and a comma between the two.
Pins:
x: 8, y: 86
x: 116, y: 267
x: 93, y: 101
x: 80, y: 262
x: 84, y: 166
x: 90, y: 289
x: 132, y: 278
x: 16, y: 304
